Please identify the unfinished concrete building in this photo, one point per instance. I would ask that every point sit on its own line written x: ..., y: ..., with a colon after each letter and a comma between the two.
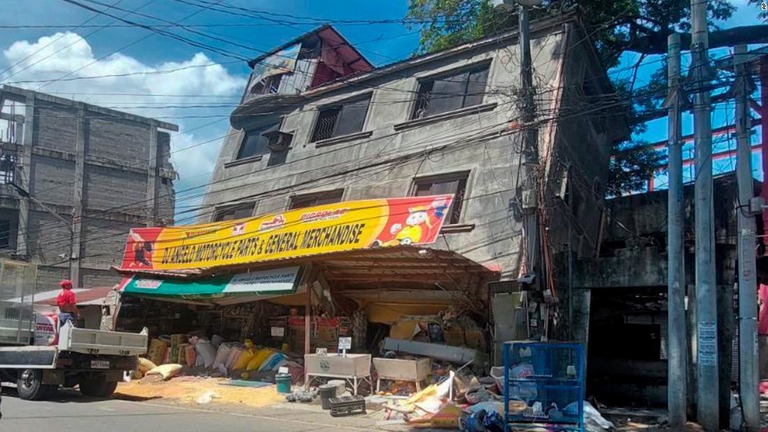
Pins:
x: 74, y: 178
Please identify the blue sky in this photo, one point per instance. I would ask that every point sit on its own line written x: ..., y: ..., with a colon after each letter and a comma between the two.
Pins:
x: 205, y: 85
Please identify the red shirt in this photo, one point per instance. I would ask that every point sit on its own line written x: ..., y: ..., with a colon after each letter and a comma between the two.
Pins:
x: 66, y: 297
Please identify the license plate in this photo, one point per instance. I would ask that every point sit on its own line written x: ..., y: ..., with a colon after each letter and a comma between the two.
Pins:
x: 100, y: 364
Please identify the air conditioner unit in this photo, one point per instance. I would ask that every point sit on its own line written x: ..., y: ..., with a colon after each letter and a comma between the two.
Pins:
x: 278, y: 140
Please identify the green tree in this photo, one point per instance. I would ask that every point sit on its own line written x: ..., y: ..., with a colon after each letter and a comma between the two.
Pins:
x: 616, y: 26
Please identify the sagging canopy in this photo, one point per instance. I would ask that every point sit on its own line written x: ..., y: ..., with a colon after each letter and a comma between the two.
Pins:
x: 366, y: 254
x: 223, y: 290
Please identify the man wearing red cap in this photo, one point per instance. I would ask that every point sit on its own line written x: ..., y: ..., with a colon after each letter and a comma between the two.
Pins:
x: 67, y: 303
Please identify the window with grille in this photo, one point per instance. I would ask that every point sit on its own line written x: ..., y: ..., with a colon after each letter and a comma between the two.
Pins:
x: 255, y: 143
x: 311, y: 200
x: 234, y: 212
x: 451, y: 92
x: 5, y: 233
x: 455, y: 184
x: 340, y: 120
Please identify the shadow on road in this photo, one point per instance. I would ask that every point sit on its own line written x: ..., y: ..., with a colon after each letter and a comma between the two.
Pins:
x: 74, y: 396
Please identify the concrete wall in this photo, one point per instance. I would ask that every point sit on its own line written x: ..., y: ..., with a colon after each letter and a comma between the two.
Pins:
x: 634, y: 260
x: 634, y: 248
x: 397, y: 151
x: 93, y: 163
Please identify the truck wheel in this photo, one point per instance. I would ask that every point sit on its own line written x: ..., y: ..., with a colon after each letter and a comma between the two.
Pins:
x: 96, y: 386
x: 30, y: 385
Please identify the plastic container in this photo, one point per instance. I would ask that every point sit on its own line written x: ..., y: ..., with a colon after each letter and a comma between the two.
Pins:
x: 435, y: 332
x: 283, y: 383
x: 326, y: 393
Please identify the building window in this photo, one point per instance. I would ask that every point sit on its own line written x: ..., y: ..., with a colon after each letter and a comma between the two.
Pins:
x: 340, y: 120
x: 7, y: 168
x: 455, y: 184
x: 234, y: 212
x: 255, y: 143
x: 268, y: 85
x: 451, y: 92
x: 311, y: 200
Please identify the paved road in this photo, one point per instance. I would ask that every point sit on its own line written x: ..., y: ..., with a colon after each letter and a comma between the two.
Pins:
x: 70, y: 412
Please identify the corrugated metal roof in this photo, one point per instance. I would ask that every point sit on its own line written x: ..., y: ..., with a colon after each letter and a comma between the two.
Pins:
x: 85, y: 296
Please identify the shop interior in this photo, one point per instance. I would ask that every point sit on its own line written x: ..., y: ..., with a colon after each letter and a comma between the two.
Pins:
x: 382, y: 300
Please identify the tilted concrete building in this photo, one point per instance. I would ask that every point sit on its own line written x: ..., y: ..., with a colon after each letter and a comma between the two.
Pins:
x: 74, y: 178
x: 318, y: 124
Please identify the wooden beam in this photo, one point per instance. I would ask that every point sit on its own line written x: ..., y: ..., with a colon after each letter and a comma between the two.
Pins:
x: 415, y: 278
x: 364, y: 258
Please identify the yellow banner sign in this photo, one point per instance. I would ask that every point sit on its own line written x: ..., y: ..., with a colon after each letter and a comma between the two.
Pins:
x: 297, y: 233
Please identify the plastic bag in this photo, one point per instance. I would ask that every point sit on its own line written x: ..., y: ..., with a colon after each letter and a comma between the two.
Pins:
x: 206, y: 397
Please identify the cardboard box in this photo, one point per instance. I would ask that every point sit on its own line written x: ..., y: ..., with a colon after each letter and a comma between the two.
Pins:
x: 454, y: 336
x: 157, y: 349
x: 475, y: 338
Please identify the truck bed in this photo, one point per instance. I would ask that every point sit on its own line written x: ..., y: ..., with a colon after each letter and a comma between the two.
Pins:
x: 75, y: 340
x: 87, y: 341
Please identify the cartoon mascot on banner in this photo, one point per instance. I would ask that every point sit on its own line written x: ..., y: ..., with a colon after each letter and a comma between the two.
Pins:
x: 142, y: 251
x: 418, y: 226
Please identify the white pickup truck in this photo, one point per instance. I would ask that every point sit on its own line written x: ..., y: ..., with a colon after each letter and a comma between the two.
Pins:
x: 94, y: 360
x: 38, y: 356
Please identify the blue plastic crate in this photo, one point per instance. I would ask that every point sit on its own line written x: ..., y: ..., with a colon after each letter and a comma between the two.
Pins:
x: 549, y: 378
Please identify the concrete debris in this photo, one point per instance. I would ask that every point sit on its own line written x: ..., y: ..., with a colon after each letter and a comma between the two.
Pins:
x: 301, y: 396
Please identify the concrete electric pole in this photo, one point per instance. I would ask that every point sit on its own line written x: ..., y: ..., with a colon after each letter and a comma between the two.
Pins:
x: 748, y: 354
x: 677, y: 339
x: 708, y: 408
x: 530, y: 148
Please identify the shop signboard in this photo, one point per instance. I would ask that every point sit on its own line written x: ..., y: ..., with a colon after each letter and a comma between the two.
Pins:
x: 338, y: 227
x: 273, y: 281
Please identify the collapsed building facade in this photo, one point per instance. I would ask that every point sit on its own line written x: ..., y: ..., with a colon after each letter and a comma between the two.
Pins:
x: 318, y: 124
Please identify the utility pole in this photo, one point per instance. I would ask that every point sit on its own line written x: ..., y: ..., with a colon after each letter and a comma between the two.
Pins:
x: 708, y: 408
x: 748, y: 372
x: 530, y: 148
x: 677, y: 342
x: 23, y: 192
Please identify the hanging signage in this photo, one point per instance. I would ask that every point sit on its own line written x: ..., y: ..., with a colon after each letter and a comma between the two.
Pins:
x: 273, y: 281
x: 304, y: 232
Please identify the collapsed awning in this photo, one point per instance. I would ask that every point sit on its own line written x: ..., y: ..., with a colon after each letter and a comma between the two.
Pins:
x: 367, y: 252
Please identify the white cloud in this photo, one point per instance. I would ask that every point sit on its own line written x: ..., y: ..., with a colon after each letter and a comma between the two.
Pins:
x: 191, y: 93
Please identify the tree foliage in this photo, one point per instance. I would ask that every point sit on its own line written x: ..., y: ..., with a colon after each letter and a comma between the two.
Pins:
x: 616, y: 26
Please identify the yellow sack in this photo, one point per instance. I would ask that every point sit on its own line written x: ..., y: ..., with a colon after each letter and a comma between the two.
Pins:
x: 258, y: 359
x: 145, y: 365
x: 243, y: 360
x: 167, y: 371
